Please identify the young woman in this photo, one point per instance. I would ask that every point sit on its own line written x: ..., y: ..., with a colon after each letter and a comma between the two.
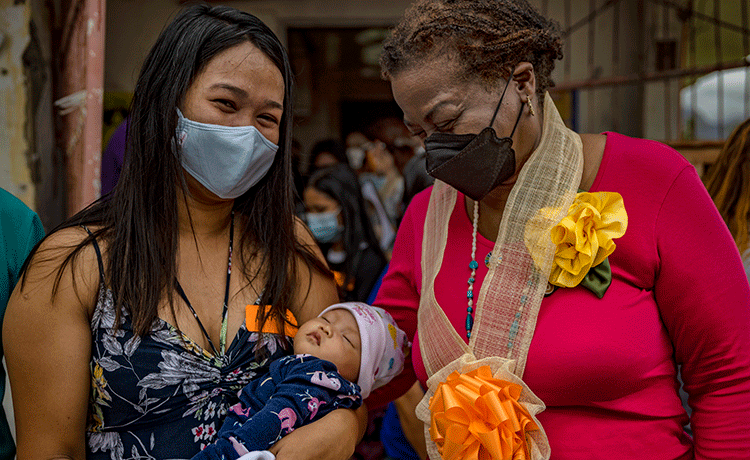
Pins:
x: 337, y: 218
x: 126, y: 337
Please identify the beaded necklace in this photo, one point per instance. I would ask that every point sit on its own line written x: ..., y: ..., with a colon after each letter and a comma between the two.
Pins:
x: 473, y: 267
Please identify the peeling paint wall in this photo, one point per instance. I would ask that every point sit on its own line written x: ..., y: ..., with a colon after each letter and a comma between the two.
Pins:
x: 15, y: 175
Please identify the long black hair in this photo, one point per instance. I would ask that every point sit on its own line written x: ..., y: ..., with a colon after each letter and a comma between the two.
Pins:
x: 139, y: 219
x: 340, y: 183
x: 333, y: 146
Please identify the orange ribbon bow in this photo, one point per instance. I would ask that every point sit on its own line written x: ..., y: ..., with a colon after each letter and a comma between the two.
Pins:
x: 476, y: 417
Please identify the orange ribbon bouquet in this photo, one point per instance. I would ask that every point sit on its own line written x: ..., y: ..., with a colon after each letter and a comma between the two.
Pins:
x: 477, y: 416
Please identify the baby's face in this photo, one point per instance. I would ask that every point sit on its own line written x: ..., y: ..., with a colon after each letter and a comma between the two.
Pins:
x: 333, y: 336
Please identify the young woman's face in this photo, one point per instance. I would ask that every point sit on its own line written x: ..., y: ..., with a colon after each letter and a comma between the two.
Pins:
x: 333, y: 336
x: 240, y: 86
x: 317, y: 201
x: 325, y: 159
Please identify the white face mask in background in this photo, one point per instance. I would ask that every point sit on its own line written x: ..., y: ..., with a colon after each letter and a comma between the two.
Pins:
x: 356, y: 157
x: 227, y: 160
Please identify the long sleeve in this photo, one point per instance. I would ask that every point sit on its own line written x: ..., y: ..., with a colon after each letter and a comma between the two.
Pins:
x: 704, y: 300
x: 303, y: 388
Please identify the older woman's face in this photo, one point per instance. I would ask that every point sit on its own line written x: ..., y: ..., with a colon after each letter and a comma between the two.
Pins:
x: 434, y: 100
x: 240, y: 86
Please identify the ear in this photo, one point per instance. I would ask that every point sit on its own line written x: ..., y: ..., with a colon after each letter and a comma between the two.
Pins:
x: 525, y: 78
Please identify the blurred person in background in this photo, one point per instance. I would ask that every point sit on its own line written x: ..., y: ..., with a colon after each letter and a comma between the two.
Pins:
x: 415, y: 174
x: 325, y: 153
x: 20, y: 231
x: 298, y: 175
x: 728, y: 183
x: 389, y: 149
x: 355, y: 151
x: 336, y: 216
x: 388, y: 181
x: 113, y: 158
x: 402, y: 433
x: 397, y: 139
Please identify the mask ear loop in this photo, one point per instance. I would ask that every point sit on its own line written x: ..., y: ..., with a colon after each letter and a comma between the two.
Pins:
x: 494, y: 115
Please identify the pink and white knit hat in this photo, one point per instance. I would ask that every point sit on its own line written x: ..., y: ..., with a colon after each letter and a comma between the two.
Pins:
x: 383, y: 345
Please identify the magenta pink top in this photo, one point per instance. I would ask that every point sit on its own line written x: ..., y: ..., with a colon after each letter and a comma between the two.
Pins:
x: 607, y: 368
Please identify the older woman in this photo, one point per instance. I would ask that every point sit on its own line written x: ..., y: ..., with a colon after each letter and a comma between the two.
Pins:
x: 589, y: 265
x: 127, y: 337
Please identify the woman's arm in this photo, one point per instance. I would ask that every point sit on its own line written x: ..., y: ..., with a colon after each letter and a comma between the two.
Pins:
x: 334, y: 436
x: 704, y: 300
x: 47, y: 342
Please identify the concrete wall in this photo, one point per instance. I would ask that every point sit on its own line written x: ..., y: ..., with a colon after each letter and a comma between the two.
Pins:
x: 30, y: 168
x: 15, y: 152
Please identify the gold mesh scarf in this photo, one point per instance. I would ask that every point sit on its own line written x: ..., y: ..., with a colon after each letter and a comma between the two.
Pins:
x: 510, y: 296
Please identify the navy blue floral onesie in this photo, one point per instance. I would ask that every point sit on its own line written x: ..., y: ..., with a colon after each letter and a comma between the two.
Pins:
x: 295, y: 391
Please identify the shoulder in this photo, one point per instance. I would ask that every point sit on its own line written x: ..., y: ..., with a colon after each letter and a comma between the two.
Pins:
x: 644, y: 152
x: 421, y: 199
x: 303, y: 233
x: 64, y: 241
x: 16, y: 217
x: 57, y: 257
x: 60, y: 283
x: 411, y: 228
x: 418, y: 205
x: 20, y: 231
x: 11, y: 205
x: 639, y: 165
x: 307, y: 367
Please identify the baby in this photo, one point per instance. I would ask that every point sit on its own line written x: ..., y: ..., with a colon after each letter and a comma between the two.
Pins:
x: 348, y: 342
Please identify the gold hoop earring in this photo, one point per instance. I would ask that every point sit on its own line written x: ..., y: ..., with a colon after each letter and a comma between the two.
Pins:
x: 531, y: 107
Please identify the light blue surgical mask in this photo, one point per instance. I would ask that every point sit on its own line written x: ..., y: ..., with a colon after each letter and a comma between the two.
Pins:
x: 325, y: 226
x: 377, y: 180
x: 227, y: 160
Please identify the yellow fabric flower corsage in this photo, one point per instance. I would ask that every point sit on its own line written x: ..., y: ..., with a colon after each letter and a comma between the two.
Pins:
x: 584, y: 238
x: 476, y: 416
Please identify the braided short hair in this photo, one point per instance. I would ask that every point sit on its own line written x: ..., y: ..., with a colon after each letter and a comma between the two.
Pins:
x: 487, y: 38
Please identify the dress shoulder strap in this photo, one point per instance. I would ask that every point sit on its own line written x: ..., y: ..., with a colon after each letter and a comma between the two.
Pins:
x: 98, y: 253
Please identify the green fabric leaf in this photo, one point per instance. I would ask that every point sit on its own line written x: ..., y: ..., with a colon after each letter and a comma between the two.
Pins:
x: 598, y: 279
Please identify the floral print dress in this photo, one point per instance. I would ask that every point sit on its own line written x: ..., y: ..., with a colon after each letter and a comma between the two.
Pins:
x: 162, y: 396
